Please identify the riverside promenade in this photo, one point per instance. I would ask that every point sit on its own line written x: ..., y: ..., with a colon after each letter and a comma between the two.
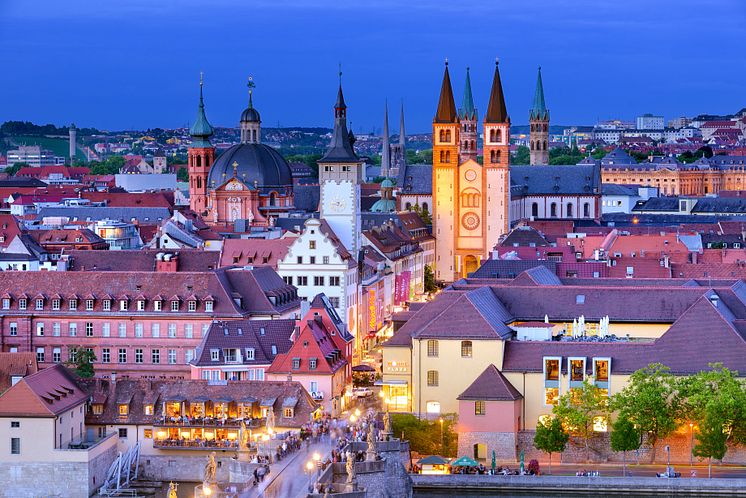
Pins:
x: 488, y: 485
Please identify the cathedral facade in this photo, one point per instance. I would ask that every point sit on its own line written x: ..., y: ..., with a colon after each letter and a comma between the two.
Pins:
x: 470, y: 200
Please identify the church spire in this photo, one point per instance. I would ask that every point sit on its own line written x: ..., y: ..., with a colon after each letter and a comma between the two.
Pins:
x: 386, y: 148
x: 402, y: 134
x: 340, y: 148
x: 446, y: 106
x: 201, y: 130
x: 496, y: 111
x: 539, y: 108
x: 467, y: 105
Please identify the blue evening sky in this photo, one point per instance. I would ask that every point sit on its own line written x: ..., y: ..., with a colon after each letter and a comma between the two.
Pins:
x: 118, y: 64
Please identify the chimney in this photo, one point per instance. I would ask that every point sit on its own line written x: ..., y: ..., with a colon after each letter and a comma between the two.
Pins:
x: 166, y: 262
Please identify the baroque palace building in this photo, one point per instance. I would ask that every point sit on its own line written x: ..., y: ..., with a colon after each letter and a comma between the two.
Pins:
x: 470, y: 200
x: 702, y: 177
x: 249, y: 181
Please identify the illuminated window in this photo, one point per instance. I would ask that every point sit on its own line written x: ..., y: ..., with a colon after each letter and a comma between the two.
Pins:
x: 148, y: 409
x: 287, y: 412
x: 577, y: 369
x: 466, y: 349
x: 601, y: 369
x: 147, y: 433
x: 600, y: 424
x: 480, y: 408
x: 550, y: 396
x: 123, y: 409
x: 432, y: 348
x: 551, y: 369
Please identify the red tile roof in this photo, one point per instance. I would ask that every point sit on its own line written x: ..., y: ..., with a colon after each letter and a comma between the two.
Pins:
x: 9, y: 229
x: 14, y: 365
x: 491, y: 385
x: 255, y: 252
x: 46, y: 393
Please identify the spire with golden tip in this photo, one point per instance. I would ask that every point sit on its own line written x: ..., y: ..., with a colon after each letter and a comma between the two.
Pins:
x: 496, y: 111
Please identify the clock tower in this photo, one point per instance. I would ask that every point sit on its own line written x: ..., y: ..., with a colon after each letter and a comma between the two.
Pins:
x: 340, y: 176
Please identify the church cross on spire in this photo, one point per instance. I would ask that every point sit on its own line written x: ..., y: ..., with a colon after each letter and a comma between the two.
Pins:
x: 251, y: 85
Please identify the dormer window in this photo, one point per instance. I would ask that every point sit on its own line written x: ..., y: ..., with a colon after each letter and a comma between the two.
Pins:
x: 6, y: 303
x: 312, y: 363
x: 296, y: 363
x: 123, y: 305
x: 89, y: 304
x: 249, y: 353
x: 22, y: 304
x: 157, y: 305
x: 274, y: 349
x: 73, y: 304
x: 192, y: 305
x: 107, y: 304
x: 175, y: 305
x: 148, y: 409
x: 141, y: 305
x: 209, y: 306
x: 98, y: 409
x: 214, y: 355
x: 123, y: 410
x: 40, y: 304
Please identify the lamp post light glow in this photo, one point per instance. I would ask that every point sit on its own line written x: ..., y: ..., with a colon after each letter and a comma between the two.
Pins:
x: 357, y: 412
x: 353, y: 418
x: 309, y: 466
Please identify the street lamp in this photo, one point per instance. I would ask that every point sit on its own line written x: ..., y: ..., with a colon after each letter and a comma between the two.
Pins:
x: 691, y: 443
x: 668, y: 465
x: 442, y: 443
x: 357, y: 412
x: 353, y: 418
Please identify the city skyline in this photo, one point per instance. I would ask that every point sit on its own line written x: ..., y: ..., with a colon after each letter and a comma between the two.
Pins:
x: 143, y: 66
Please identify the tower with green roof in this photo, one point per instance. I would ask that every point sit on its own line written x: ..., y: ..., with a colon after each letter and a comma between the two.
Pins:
x: 538, y: 118
x: 201, y: 155
x: 468, y: 120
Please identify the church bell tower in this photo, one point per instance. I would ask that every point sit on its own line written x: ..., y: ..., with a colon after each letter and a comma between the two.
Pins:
x: 201, y: 155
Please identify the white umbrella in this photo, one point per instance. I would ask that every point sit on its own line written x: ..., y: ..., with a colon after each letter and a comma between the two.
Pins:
x: 546, y: 318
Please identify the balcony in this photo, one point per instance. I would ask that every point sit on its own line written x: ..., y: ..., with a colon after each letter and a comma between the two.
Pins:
x: 210, y: 422
x: 184, y: 444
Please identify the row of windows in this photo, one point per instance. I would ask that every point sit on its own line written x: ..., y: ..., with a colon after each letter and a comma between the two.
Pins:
x: 89, y: 329
x: 433, y: 348
x: 248, y: 374
x: 312, y: 259
x: 120, y: 355
x: 569, y: 210
x: 318, y: 280
x: 106, y: 304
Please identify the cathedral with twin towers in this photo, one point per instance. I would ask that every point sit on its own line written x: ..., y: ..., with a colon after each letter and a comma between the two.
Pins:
x: 471, y: 201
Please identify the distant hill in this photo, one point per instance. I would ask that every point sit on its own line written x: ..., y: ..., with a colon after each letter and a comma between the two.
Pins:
x: 58, y: 145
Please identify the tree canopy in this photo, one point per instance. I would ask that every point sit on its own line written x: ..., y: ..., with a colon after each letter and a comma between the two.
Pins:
x: 550, y: 437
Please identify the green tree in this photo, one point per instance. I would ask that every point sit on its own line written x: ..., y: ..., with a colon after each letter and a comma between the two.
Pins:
x: 598, y: 153
x: 624, y: 437
x: 425, y: 436
x: 651, y: 401
x: 550, y: 437
x: 182, y: 174
x: 423, y: 213
x: 712, y: 440
x: 82, y: 361
x: 522, y: 155
x: 12, y: 170
x: 578, y: 410
x: 430, y: 285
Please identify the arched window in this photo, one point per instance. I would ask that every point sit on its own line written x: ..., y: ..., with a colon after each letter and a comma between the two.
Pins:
x: 442, y: 135
x: 408, y: 206
x: 587, y: 210
x: 199, y: 182
x: 545, y: 127
x: 545, y: 145
x: 569, y: 210
x: 442, y: 156
x: 532, y: 145
x: 273, y: 199
x: 498, y: 135
x: 492, y: 135
x: 199, y: 161
x: 497, y: 156
x: 448, y: 156
x: 553, y: 210
x: 253, y: 135
x: 492, y: 156
x: 424, y: 207
x: 535, y: 209
x: 448, y: 135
